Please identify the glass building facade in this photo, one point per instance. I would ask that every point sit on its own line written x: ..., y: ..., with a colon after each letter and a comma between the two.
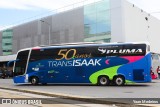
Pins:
x: 7, y: 42
x: 97, y: 22
x: 88, y: 23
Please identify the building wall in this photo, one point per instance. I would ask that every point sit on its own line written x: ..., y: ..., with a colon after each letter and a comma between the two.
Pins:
x: 154, y: 34
x: 68, y: 27
x: 117, y: 21
x: 136, y: 26
x: 140, y: 26
x: 24, y: 36
x: 65, y: 27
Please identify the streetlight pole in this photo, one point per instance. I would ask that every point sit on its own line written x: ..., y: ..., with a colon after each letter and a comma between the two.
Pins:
x: 49, y: 27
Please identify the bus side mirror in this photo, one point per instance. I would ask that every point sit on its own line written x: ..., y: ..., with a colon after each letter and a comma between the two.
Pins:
x: 9, y: 63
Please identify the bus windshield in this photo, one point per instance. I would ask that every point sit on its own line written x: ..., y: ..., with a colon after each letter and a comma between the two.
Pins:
x: 20, y: 64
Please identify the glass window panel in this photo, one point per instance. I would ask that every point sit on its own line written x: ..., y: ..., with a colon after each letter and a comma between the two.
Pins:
x: 103, y: 16
x: 7, y: 33
x: 90, y: 30
x: 6, y: 37
x: 103, y: 28
x: 7, y: 53
x: 6, y: 47
x: 97, y: 20
x: 103, y: 5
x: 7, y: 42
x: 88, y: 9
x: 7, y: 50
x: 107, y: 40
x: 90, y: 19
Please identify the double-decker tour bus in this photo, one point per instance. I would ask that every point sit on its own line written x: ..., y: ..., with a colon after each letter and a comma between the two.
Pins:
x: 94, y: 63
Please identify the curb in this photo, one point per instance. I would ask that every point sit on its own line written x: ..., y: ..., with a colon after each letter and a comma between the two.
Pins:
x: 76, y: 98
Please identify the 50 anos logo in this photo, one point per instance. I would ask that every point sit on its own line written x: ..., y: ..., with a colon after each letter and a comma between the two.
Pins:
x: 66, y: 54
x: 71, y: 54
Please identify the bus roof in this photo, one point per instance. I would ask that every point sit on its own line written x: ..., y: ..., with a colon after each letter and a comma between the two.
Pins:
x: 82, y: 44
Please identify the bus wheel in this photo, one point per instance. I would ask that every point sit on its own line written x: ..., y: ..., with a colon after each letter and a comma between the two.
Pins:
x: 119, y: 80
x: 103, y: 80
x: 34, y: 80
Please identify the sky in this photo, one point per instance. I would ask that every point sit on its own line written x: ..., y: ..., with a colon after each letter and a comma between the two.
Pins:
x: 14, y: 12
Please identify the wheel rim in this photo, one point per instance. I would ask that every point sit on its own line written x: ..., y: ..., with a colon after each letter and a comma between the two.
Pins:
x: 119, y: 81
x: 103, y: 80
x: 34, y: 81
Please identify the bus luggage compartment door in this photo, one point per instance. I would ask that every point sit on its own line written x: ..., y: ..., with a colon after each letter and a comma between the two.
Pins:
x: 138, y: 74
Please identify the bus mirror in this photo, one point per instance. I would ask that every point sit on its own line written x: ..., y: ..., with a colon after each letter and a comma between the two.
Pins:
x: 10, y: 62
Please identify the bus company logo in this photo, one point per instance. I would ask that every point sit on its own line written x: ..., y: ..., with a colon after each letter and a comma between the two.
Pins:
x: 76, y: 62
x: 102, y: 50
x: 119, y: 51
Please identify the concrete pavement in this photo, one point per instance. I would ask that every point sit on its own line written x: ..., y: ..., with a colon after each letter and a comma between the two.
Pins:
x: 21, y: 95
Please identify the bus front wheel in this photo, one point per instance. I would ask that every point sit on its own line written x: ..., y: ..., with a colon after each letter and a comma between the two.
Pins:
x: 103, y: 80
x: 119, y: 80
x: 34, y: 80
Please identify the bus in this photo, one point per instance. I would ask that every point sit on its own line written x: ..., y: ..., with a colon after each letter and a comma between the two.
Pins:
x: 84, y: 63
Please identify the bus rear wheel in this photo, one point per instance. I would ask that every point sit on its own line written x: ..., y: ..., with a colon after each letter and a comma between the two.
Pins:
x: 34, y: 81
x: 103, y: 80
x: 119, y: 80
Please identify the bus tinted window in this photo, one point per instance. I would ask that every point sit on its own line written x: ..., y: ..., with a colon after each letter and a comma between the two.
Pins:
x: 41, y: 54
x: 88, y: 52
x: 65, y: 53
x: 20, y: 64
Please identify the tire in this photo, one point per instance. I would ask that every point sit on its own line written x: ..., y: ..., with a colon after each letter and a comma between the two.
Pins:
x: 34, y: 80
x: 103, y: 81
x: 119, y: 80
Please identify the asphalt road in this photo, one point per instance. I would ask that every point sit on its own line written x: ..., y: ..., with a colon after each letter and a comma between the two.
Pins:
x: 145, y: 90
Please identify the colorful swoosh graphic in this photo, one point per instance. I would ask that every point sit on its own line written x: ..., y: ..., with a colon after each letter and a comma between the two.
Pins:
x: 111, y: 72
x: 118, y: 69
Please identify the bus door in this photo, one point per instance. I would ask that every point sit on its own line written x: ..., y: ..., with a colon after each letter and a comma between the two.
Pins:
x: 20, y: 67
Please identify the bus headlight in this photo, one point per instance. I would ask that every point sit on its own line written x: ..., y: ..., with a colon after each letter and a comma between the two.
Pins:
x: 26, y: 78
